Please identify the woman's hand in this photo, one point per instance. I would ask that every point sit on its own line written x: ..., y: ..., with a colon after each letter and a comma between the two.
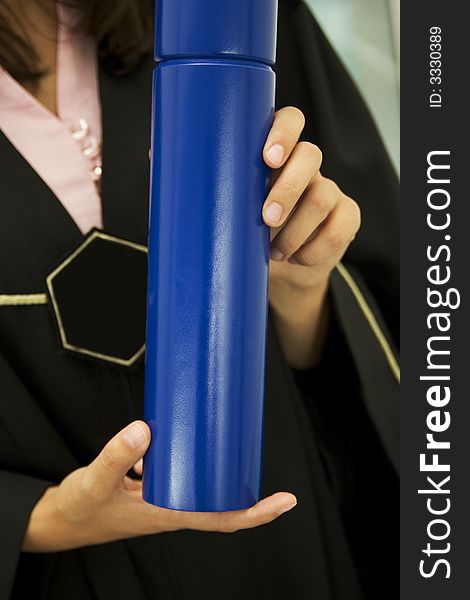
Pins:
x: 313, y: 222
x: 100, y: 503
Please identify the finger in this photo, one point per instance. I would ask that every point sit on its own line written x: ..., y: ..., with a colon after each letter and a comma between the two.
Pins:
x: 317, y: 202
x: 285, y: 132
x: 139, y: 467
x: 333, y: 238
x: 263, y: 512
x: 132, y: 485
x: 301, y: 167
x: 109, y: 468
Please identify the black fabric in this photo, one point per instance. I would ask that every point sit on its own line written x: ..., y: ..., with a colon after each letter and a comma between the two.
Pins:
x: 99, y: 294
x: 362, y: 482
x: 311, y: 77
x: 19, y: 494
x: 378, y: 388
x: 57, y: 411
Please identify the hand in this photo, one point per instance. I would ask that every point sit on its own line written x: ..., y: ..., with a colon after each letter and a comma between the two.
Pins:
x: 100, y: 503
x: 312, y: 220
x: 312, y: 224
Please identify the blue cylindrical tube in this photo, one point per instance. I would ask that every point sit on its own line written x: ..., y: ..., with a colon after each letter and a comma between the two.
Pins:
x: 213, y: 103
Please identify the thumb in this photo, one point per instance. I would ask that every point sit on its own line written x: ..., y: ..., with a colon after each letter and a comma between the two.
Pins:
x: 119, y: 455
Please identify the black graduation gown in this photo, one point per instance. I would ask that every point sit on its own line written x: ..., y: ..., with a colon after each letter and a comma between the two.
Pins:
x: 331, y: 435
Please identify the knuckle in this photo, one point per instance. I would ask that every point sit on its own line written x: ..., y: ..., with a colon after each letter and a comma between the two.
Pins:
x: 109, y: 456
x: 330, y: 188
x: 320, y: 202
x: 230, y: 529
x: 225, y: 526
x: 226, y: 523
x: 286, y: 242
x: 306, y: 257
x: 287, y: 187
x: 88, y: 488
x: 335, y: 239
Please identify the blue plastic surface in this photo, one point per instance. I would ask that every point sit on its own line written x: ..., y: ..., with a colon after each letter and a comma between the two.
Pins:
x: 207, y: 28
x: 208, y: 278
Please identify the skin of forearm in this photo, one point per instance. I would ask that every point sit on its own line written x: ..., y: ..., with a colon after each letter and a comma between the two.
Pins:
x: 300, y: 316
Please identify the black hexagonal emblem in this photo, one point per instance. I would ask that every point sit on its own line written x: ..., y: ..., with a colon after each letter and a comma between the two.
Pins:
x: 98, y: 294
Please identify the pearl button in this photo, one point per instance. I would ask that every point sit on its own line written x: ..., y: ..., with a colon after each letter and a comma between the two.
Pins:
x: 91, y: 150
x: 82, y: 131
x: 89, y: 147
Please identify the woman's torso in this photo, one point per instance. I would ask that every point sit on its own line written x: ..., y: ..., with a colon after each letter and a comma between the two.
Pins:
x: 80, y: 404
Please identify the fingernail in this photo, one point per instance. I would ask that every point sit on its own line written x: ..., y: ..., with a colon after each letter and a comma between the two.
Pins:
x: 276, y: 254
x: 273, y: 213
x: 135, y: 436
x: 286, y: 508
x: 275, y: 154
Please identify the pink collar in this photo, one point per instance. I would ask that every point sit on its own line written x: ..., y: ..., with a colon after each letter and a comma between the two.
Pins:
x: 64, y: 150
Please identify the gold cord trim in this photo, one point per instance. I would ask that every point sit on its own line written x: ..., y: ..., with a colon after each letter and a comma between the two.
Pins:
x: 22, y: 299
x: 371, y: 320
x: 50, y: 286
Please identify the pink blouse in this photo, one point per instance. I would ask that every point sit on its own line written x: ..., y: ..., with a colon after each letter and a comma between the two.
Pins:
x: 64, y: 150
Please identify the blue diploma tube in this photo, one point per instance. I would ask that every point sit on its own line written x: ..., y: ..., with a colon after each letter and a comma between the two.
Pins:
x: 213, y: 105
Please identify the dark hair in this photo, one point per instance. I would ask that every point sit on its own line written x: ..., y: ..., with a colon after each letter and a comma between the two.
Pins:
x: 123, y: 30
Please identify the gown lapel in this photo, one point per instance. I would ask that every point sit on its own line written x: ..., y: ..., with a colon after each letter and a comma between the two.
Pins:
x: 36, y: 232
x: 126, y: 144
